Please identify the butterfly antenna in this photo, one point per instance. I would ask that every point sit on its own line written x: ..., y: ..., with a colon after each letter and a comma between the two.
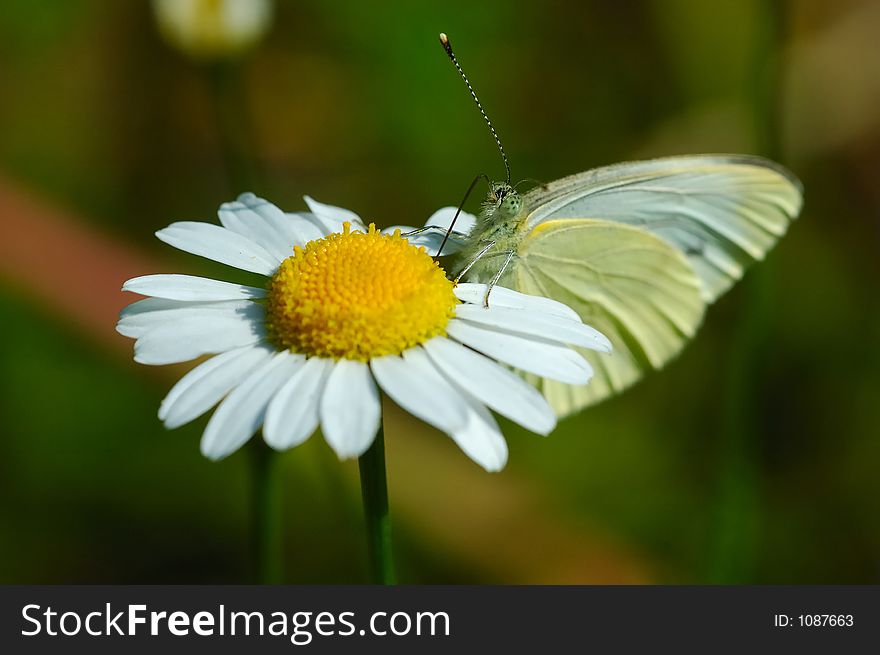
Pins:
x: 530, y: 179
x: 444, y: 41
x: 481, y: 176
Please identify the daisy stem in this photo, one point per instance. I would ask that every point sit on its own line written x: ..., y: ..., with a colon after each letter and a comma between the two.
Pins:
x: 374, y: 492
x: 266, y: 513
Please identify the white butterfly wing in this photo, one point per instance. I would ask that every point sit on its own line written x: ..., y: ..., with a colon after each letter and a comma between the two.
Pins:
x: 629, y: 284
x: 638, y: 249
x: 722, y: 211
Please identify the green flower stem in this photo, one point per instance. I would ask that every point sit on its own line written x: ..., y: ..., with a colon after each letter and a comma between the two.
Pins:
x: 374, y: 492
x: 266, y: 520
x: 223, y: 80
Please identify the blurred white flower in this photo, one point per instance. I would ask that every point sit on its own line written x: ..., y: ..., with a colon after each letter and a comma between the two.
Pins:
x: 347, y: 310
x: 213, y: 29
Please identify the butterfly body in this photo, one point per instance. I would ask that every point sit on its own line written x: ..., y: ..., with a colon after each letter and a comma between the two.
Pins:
x: 497, y: 234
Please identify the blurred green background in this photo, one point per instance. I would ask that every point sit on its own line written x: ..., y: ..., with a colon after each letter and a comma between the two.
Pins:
x: 753, y: 458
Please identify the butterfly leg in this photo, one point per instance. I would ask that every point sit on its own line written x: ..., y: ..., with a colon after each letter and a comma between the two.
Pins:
x: 482, y: 251
x: 456, y: 237
x: 420, y: 230
x: 508, y: 256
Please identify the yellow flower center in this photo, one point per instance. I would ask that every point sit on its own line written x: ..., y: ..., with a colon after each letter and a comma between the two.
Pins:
x: 357, y: 295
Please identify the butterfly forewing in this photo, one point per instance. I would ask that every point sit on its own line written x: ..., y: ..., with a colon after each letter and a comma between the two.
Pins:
x: 723, y: 212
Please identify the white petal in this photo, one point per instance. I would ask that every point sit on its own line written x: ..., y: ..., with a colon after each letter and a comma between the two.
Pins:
x: 297, y: 226
x: 504, y: 391
x: 196, y: 335
x: 440, y: 221
x: 139, y: 318
x: 538, y: 324
x: 504, y: 297
x: 203, y: 387
x: 190, y: 287
x: 319, y: 227
x: 219, y: 244
x: 350, y: 408
x: 431, y: 239
x: 414, y: 383
x: 292, y: 415
x: 535, y: 356
x: 242, y: 411
x: 443, y: 218
x: 265, y: 224
x: 481, y: 440
x: 146, y: 306
x: 239, y: 218
x: 333, y: 217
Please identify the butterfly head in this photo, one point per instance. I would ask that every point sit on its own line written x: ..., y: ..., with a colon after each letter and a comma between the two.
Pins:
x: 504, y: 200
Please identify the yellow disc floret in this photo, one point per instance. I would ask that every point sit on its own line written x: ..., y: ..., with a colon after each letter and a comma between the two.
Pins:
x: 357, y: 295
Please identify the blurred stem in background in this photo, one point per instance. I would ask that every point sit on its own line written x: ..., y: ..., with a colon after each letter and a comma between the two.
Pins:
x: 374, y: 491
x: 267, y: 531
x: 232, y: 124
x: 738, y: 519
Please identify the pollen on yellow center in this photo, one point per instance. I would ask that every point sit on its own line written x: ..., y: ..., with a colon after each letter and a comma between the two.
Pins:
x: 355, y: 295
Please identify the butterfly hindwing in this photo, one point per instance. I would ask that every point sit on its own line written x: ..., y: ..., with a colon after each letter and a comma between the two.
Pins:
x: 629, y: 284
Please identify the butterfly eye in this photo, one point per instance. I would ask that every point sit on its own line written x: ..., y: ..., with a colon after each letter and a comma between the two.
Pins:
x: 511, y: 205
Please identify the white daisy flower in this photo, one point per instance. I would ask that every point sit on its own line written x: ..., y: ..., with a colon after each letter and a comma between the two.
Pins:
x: 347, y: 310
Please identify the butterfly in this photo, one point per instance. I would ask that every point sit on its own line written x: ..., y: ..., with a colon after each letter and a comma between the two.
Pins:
x: 638, y: 249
